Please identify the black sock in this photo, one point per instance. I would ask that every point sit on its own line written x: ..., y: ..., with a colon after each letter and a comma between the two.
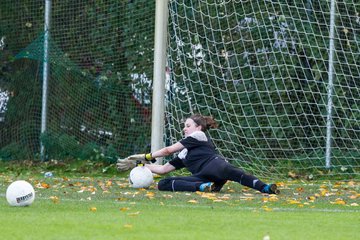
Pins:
x: 252, y: 182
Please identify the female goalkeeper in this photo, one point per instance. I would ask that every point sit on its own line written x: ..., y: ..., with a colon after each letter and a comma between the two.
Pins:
x: 210, y: 171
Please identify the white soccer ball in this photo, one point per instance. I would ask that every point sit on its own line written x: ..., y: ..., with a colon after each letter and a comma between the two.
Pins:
x: 20, y: 193
x: 140, y: 177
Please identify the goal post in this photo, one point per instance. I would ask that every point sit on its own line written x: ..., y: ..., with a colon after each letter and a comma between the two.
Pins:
x: 158, y: 103
x: 281, y: 78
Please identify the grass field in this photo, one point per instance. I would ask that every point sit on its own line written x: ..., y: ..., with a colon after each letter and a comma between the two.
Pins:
x: 96, y: 205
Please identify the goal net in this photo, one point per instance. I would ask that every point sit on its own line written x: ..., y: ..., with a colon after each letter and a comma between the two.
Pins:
x: 100, y: 59
x: 282, y: 78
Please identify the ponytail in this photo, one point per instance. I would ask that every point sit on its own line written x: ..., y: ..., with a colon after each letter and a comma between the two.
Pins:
x: 206, y: 122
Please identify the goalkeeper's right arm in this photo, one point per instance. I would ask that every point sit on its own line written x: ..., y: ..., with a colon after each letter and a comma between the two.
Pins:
x: 126, y: 164
x: 160, y: 169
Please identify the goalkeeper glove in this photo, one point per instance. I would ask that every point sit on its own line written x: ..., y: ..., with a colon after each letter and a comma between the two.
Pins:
x: 142, y: 157
x: 125, y: 164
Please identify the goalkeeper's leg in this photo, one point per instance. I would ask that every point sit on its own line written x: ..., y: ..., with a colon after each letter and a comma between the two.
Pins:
x: 218, y: 186
x: 181, y: 184
x: 220, y: 169
x: 238, y: 175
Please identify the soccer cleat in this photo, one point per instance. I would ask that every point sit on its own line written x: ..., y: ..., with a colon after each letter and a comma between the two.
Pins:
x: 206, y: 187
x: 270, y: 189
x: 217, y: 186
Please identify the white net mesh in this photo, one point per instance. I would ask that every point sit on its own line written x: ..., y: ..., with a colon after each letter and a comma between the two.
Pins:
x: 261, y: 68
x: 100, y: 59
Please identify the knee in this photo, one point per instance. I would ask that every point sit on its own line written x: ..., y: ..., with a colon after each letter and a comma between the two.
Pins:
x: 231, y: 170
x: 164, y: 185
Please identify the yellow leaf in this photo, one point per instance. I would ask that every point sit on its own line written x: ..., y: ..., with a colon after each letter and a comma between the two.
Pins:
x: 128, y: 226
x: 192, y: 201
x: 121, y: 199
x: 267, y: 209
x: 78, y: 184
x: 339, y: 201
x: 273, y: 198
x: 292, y: 175
x: 109, y: 183
x: 133, y: 214
x: 124, y: 209
x: 150, y: 194
x: 247, y: 198
x: 55, y: 199
x: 311, y: 198
x: 225, y: 197
x: 280, y: 184
x: 324, y: 192
x: 351, y: 183
x: 93, y: 209
x: 293, y: 202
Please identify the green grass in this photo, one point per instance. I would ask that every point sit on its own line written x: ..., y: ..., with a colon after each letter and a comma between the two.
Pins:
x: 73, y: 205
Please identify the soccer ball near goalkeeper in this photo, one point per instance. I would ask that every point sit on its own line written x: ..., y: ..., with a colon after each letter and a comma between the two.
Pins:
x: 20, y: 193
x: 140, y: 177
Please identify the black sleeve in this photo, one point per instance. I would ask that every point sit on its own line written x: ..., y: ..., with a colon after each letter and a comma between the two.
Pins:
x: 189, y: 142
x: 177, y: 163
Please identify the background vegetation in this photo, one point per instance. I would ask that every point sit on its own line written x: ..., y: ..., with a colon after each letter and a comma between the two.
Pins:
x: 261, y: 68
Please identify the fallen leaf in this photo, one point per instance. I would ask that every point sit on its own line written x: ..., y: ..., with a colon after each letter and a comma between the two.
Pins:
x: 267, y: 209
x: 133, y: 214
x: 293, y: 202
x: 311, y: 198
x: 273, y: 198
x: 93, y: 209
x: 124, y: 209
x: 266, y: 237
x: 55, y: 199
x: 128, y: 226
x: 150, y: 195
x: 339, y: 201
x: 292, y: 175
x: 352, y: 183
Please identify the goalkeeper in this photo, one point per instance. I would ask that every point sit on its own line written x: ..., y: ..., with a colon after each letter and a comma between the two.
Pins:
x: 210, y: 171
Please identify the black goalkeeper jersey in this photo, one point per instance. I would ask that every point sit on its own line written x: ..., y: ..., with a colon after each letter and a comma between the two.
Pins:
x: 197, y: 153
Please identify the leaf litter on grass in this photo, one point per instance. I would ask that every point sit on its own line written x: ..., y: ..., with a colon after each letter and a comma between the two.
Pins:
x: 294, y: 193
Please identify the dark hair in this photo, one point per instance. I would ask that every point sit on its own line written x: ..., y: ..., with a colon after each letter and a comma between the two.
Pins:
x: 206, y: 122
